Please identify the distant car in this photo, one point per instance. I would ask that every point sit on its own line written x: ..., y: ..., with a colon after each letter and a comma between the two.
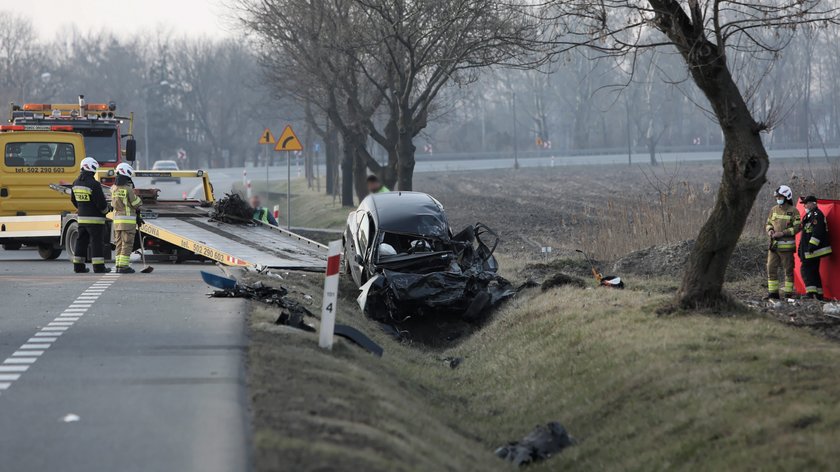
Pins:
x: 400, y: 251
x: 164, y: 166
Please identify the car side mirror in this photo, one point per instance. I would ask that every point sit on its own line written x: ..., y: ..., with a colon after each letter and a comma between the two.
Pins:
x: 360, y: 260
x: 130, y: 150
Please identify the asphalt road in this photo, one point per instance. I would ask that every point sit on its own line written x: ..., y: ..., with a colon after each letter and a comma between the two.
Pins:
x: 136, y: 372
x: 224, y: 178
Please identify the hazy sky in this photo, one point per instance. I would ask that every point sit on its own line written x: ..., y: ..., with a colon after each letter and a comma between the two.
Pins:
x: 189, y: 17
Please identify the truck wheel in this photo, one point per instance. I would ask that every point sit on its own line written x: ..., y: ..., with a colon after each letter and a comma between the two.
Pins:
x: 12, y: 246
x: 70, y: 239
x: 48, y: 252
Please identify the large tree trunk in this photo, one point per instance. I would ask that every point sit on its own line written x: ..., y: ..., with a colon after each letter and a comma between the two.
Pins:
x: 745, y: 164
x: 349, y: 155
x: 331, y: 158
x: 405, y: 167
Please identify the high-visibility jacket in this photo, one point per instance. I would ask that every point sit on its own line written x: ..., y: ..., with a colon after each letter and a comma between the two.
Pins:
x: 815, y: 242
x: 784, y: 219
x: 89, y: 200
x: 126, y: 204
x: 261, y: 214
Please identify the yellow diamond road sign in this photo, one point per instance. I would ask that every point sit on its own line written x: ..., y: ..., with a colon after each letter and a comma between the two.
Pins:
x: 288, y: 141
x: 266, y: 137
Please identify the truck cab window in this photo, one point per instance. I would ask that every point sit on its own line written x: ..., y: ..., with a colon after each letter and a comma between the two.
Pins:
x: 39, y: 155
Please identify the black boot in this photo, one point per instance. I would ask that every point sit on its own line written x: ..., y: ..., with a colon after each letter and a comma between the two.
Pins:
x: 80, y: 268
x: 101, y: 269
x: 125, y: 270
x: 773, y: 296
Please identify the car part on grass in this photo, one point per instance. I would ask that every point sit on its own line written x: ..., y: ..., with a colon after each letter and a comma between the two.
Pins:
x: 452, y: 362
x: 218, y: 281
x: 232, y: 209
x: 540, y: 444
x: 560, y: 279
x: 611, y: 281
x: 353, y: 334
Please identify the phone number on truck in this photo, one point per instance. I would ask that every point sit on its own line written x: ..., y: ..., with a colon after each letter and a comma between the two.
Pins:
x: 39, y: 170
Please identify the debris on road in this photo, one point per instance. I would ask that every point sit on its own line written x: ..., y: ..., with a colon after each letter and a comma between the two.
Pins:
x: 71, y: 418
x: 232, y: 209
x: 540, y: 444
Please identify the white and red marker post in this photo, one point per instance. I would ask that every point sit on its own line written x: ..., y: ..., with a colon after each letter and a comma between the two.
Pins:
x: 328, y: 305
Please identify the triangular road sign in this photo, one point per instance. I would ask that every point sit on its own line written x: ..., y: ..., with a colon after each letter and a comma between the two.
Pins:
x: 288, y: 141
x: 266, y: 137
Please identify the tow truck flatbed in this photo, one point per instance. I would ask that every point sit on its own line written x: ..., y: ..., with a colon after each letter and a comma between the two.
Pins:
x: 259, y: 246
x: 184, y: 227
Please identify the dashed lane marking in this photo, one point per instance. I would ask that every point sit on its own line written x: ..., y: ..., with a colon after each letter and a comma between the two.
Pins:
x: 19, y: 362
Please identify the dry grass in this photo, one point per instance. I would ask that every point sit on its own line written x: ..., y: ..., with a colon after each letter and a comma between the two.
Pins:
x: 639, y: 392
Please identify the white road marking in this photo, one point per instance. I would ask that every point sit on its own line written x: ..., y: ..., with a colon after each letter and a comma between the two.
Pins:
x: 29, y: 352
x: 35, y: 346
x: 20, y: 360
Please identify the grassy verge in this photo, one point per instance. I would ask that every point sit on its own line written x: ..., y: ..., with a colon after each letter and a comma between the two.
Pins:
x: 639, y: 392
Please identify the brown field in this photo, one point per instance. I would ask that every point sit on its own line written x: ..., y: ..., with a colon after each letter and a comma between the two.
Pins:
x: 608, y: 211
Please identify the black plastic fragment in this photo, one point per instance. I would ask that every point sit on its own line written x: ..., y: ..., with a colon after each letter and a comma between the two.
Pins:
x: 353, y: 334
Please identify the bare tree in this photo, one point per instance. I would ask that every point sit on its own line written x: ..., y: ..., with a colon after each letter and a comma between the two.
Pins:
x: 425, y: 45
x: 22, y: 59
x: 702, y: 32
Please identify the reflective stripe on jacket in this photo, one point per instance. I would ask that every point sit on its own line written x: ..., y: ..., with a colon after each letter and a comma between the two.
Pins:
x: 784, y: 219
x: 89, y: 200
x: 815, y: 241
x: 125, y: 203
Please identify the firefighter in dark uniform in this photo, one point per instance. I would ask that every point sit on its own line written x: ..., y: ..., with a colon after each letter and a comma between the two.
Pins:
x: 783, y: 223
x: 91, y: 207
x: 813, y: 246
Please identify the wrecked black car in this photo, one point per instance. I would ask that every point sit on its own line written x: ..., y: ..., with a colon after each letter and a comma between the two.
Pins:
x: 401, y: 252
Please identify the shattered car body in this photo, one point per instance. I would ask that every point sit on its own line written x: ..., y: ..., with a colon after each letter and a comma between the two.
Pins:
x: 401, y: 252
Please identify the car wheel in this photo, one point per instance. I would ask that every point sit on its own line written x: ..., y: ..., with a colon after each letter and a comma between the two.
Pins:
x: 48, y: 252
x: 12, y: 246
x: 70, y: 238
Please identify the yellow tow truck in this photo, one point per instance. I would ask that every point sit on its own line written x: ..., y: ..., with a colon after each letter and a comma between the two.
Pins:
x: 44, y: 144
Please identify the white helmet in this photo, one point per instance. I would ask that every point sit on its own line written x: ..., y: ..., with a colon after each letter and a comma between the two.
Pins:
x: 785, y: 191
x: 89, y: 164
x: 125, y: 169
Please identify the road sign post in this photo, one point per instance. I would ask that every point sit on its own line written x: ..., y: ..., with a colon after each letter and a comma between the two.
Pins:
x: 328, y: 304
x: 288, y: 141
x: 267, y: 139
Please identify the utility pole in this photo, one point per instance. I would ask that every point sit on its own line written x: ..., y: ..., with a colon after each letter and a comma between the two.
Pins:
x: 515, y: 142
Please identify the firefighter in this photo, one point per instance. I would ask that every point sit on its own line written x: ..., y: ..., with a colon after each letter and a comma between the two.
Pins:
x: 126, y: 206
x: 782, y: 225
x: 375, y: 185
x: 813, y: 246
x: 91, y: 206
x: 261, y: 213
